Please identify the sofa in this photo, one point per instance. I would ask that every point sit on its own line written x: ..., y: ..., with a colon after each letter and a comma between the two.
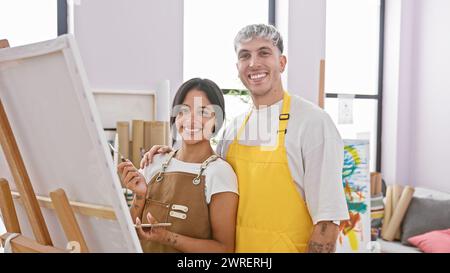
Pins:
x: 411, y: 217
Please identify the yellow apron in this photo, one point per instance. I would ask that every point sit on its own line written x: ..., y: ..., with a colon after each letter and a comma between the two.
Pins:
x: 272, y: 215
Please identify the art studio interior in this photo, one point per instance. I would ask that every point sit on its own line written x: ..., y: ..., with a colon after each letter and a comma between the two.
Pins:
x: 88, y: 87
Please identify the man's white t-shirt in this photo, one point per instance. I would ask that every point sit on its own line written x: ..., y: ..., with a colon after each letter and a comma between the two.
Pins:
x: 219, y: 175
x: 315, y: 153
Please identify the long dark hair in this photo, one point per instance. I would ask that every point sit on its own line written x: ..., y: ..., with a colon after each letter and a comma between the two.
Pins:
x: 212, y: 91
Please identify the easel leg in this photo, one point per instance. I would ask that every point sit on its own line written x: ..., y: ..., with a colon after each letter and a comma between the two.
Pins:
x: 67, y: 218
x: 22, y: 244
x: 7, y: 208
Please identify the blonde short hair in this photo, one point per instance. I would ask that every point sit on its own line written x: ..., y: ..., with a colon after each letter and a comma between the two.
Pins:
x: 264, y: 31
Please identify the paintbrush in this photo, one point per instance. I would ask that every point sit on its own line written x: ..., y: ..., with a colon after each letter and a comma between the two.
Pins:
x: 115, y: 151
x: 153, y: 225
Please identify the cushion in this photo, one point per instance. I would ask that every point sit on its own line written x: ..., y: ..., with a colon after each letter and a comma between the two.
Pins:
x: 396, y: 247
x: 437, y: 241
x: 425, y: 215
x: 430, y: 194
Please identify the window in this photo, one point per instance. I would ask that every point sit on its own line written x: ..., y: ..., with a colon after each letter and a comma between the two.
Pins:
x: 28, y: 21
x: 353, y: 69
x: 209, y: 30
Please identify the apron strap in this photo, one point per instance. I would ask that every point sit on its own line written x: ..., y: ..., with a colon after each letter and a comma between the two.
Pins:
x: 205, y: 164
x: 160, y: 176
x: 283, y: 120
x: 196, y: 180
x: 241, y: 129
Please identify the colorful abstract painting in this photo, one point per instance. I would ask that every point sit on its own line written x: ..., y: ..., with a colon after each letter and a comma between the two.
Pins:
x: 354, y: 235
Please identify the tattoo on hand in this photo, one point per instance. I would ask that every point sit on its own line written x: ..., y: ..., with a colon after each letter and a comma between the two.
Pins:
x: 139, y: 197
x: 315, y: 247
x: 172, y: 239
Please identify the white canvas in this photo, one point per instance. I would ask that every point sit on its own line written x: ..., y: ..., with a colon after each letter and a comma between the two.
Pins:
x: 55, y: 121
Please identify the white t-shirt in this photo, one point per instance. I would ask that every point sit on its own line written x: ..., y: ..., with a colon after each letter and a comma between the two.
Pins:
x: 219, y: 175
x: 315, y: 153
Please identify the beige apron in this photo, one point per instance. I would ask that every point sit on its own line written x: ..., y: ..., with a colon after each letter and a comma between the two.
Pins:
x: 178, y: 198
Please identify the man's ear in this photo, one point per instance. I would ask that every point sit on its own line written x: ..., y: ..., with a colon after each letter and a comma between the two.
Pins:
x: 283, y: 62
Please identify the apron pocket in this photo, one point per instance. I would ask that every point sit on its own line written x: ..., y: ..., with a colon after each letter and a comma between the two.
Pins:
x: 290, y: 246
x: 251, y: 240
x: 159, y: 210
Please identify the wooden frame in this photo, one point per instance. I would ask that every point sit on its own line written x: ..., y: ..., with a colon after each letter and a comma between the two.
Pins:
x: 22, y: 244
x: 129, y: 93
x: 78, y: 207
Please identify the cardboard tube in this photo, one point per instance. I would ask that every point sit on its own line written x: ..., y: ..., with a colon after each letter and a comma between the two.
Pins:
x: 396, y: 193
x: 399, y: 213
x: 372, y: 184
x: 378, y: 184
x: 375, y: 183
x: 138, y: 141
x: 123, y: 131
x: 387, y: 210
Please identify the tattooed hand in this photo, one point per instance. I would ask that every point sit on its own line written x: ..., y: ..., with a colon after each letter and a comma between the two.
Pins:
x: 323, y: 238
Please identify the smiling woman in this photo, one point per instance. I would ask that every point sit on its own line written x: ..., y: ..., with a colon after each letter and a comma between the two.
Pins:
x: 191, y: 188
x: 193, y: 92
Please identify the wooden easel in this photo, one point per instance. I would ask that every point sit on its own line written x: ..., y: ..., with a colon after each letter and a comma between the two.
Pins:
x: 58, y: 201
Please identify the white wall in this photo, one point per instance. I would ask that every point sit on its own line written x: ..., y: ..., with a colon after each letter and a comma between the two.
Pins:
x: 282, y: 24
x: 131, y: 45
x: 397, y: 91
x: 307, y: 29
x: 138, y: 45
x: 416, y: 126
x: 430, y: 115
